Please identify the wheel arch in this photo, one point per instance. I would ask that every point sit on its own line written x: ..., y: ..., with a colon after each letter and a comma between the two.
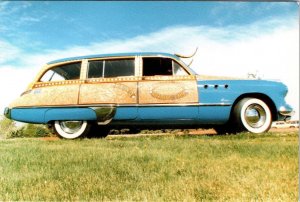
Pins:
x: 260, y: 96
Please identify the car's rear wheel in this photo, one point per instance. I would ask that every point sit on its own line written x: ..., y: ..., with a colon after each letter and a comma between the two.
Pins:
x: 71, y: 129
x: 252, y: 114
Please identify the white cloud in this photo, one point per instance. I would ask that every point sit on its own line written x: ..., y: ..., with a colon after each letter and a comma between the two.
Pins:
x: 7, y: 51
x: 270, y: 47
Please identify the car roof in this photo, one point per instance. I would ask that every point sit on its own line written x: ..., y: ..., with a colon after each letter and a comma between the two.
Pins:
x: 156, y: 54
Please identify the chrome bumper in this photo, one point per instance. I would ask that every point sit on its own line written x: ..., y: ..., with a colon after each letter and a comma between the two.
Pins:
x: 7, y: 112
x: 286, y: 111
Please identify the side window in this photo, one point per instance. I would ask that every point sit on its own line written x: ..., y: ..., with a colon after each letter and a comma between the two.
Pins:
x: 114, y: 68
x: 63, y: 72
x: 157, y: 66
x: 96, y: 69
x: 111, y: 68
x: 161, y: 66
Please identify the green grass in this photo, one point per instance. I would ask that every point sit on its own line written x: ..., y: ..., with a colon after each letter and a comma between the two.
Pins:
x: 153, y: 168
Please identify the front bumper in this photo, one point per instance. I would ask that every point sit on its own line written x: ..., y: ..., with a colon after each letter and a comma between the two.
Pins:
x: 286, y: 112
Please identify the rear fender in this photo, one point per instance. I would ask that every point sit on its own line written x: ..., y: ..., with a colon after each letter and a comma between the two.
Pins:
x: 102, y: 114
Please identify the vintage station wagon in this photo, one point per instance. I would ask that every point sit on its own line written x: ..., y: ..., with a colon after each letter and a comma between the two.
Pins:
x: 136, y: 90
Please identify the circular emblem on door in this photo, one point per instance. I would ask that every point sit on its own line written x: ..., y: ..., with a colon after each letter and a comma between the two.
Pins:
x: 168, y: 91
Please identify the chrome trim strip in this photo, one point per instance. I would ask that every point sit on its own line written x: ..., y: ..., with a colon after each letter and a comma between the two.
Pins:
x: 130, y: 105
x: 215, y: 104
x: 177, y: 105
x: 66, y: 106
x: 157, y: 105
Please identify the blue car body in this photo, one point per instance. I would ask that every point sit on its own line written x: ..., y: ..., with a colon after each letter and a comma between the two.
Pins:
x: 140, y: 99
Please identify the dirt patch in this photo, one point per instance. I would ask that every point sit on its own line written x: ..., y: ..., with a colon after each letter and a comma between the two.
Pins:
x: 203, y: 132
x: 190, y: 132
x: 283, y: 130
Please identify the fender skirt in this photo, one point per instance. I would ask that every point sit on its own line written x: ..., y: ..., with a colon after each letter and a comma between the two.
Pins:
x: 104, y: 114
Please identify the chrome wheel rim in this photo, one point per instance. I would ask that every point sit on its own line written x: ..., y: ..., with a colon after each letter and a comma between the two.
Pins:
x: 255, y: 115
x: 71, y: 127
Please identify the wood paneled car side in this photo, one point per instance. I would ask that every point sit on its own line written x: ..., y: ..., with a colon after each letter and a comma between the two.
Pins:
x: 144, y: 89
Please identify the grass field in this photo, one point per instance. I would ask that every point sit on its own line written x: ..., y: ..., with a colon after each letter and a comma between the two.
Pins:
x: 153, y: 168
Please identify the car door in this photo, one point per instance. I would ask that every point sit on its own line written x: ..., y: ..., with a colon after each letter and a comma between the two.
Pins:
x: 166, y: 91
x: 111, y: 81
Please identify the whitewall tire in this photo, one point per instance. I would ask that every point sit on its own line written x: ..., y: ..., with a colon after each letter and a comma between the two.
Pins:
x: 253, y: 115
x: 71, y: 129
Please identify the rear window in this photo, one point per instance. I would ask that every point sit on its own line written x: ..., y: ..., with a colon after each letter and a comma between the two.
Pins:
x: 69, y: 71
x: 111, y: 68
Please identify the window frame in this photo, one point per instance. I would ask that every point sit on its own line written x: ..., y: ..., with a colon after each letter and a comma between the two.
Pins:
x: 84, y: 66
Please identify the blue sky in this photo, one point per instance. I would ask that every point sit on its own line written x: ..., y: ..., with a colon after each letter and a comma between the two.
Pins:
x: 37, y: 26
x: 234, y: 38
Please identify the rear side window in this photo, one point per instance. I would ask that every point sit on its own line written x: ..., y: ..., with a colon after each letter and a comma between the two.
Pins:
x: 111, y: 68
x: 69, y: 71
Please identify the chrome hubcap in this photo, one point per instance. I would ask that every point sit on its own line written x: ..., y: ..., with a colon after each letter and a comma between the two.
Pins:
x: 255, y: 115
x: 71, y: 126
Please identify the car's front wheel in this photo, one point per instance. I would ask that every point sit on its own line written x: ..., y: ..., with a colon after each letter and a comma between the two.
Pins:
x: 253, y: 115
x: 71, y: 129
